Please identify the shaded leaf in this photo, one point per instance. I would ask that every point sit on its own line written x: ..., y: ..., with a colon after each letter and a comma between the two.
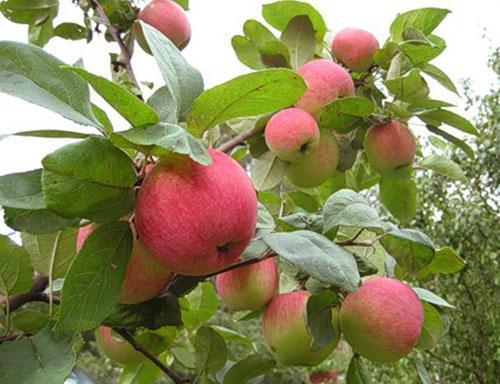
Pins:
x: 445, y: 261
x: 319, y: 319
x: 210, y: 350
x: 423, y: 19
x: 398, y: 193
x: 300, y: 40
x: 22, y: 190
x: 249, y: 368
x: 443, y: 166
x: 36, y: 221
x: 268, y: 171
x: 432, y: 329
x: 432, y: 298
x: 15, y: 269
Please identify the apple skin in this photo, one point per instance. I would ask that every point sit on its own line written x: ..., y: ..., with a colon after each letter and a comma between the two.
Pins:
x: 196, y: 219
x: 250, y: 287
x: 355, y: 48
x: 326, y: 81
x: 291, y: 133
x: 118, y: 350
x: 389, y: 145
x: 145, y: 276
x: 169, y: 18
x: 382, y: 320
x: 317, y: 165
x: 324, y: 377
x: 285, y: 331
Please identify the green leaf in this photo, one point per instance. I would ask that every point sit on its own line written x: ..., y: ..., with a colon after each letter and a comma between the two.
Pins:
x: 431, y: 297
x: 268, y: 171
x: 40, y: 35
x: 398, y: 193
x: 441, y: 77
x: 231, y: 335
x: 90, y: 179
x: 247, y: 52
x: 247, y: 95
x: 344, y: 114
x: 265, y: 220
x: 53, y: 252
x: 53, y: 134
x: 36, y: 221
x: 356, y: 373
x: 183, y: 81
x: 445, y: 261
x: 319, y: 319
x: 164, y: 104
x: 135, y: 111
x: 275, y: 54
x: 15, y: 269
x: 257, y: 32
x: 452, y: 139
x: 407, y: 86
x: 423, y: 374
x: 45, y: 358
x: 210, y: 349
x: 170, y: 137
x: 29, y: 320
x: 304, y: 201
x: 183, y: 3
x: 443, y: 166
x: 412, y: 249
x: 439, y: 116
x: 280, y: 13
x: 299, y: 38
x: 152, y: 314
x: 202, y: 305
x: 249, y: 368
x: 71, y: 31
x: 31, y: 74
x: 426, y: 104
x: 384, y: 55
x: 145, y: 372
x: 103, y: 118
x: 349, y: 209
x: 423, y: 19
x: 95, y: 278
x: 317, y: 256
x: 22, y: 190
x: 422, y: 51
x: 432, y: 329
x: 33, y: 12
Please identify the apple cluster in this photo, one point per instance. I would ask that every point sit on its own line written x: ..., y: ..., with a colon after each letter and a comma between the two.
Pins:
x: 382, y: 320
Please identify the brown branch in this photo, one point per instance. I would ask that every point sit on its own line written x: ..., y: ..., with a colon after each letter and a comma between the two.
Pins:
x: 40, y: 283
x: 138, y: 347
x: 11, y: 337
x: 124, y: 52
x: 351, y: 240
x: 253, y: 260
x: 236, y: 140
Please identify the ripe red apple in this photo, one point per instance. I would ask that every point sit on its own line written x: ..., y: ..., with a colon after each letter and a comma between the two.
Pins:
x: 249, y: 287
x: 196, y: 219
x: 389, y: 145
x: 285, y: 330
x: 355, y: 48
x: 291, y: 134
x: 145, y: 276
x: 317, y: 165
x: 169, y: 18
x: 382, y: 320
x: 116, y: 348
x: 326, y: 81
x: 324, y: 377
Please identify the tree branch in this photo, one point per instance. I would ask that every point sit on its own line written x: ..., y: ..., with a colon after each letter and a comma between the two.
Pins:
x: 138, y: 347
x: 253, y: 260
x: 124, y: 52
x: 236, y: 140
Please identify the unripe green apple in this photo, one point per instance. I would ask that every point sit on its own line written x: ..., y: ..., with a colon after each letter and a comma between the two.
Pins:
x: 382, y: 320
x: 317, y: 165
x: 285, y: 330
x: 196, y: 219
x: 169, y: 18
x: 326, y: 81
x: 116, y: 348
x: 355, y: 48
x: 291, y: 133
x: 249, y: 287
x: 145, y: 276
x: 389, y: 145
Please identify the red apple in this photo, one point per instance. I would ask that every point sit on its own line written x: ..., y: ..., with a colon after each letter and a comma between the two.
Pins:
x: 116, y: 348
x: 389, y: 145
x: 285, y: 330
x: 169, y: 18
x: 145, y: 276
x: 249, y: 287
x: 382, y: 320
x: 355, y: 48
x: 291, y: 133
x: 196, y: 219
x: 324, y: 377
x: 326, y: 81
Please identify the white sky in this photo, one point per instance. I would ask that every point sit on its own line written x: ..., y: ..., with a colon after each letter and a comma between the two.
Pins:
x: 214, y: 22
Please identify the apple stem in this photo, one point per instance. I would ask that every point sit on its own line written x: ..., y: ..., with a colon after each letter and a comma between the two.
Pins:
x: 138, y: 347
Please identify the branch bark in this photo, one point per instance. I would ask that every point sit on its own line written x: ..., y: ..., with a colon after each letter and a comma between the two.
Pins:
x: 235, y: 141
x: 138, y: 347
x: 124, y: 52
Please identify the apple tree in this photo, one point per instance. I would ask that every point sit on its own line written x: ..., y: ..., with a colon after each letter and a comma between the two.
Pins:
x: 257, y: 191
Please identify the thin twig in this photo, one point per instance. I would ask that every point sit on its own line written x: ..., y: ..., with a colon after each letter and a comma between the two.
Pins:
x: 11, y: 337
x: 138, y: 347
x: 359, y: 243
x: 243, y: 263
x: 124, y: 52
x: 351, y: 240
x: 235, y: 141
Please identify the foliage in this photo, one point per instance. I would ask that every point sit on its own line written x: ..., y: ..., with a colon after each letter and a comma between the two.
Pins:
x: 325, y: 238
